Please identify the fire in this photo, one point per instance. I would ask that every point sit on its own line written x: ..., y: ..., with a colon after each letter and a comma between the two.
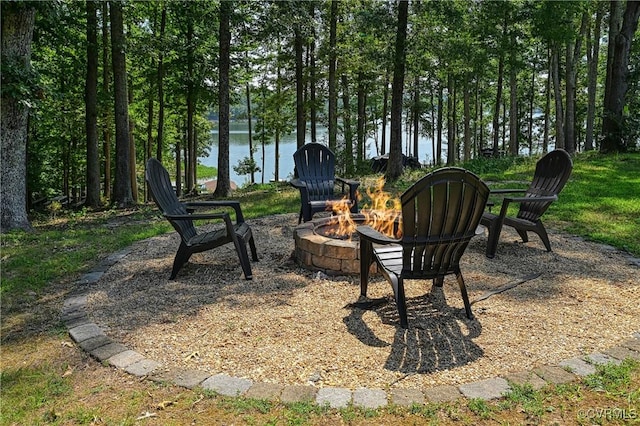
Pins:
x: 383, y: 214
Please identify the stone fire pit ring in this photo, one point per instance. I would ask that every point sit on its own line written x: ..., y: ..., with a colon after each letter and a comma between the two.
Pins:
x: 332, y: 256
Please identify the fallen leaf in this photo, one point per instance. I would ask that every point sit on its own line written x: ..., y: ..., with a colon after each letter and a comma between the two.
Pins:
x: 68, y: 372
x: 164, y: 404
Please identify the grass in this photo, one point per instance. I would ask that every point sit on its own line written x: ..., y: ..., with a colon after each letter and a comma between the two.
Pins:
x: 45, y: 380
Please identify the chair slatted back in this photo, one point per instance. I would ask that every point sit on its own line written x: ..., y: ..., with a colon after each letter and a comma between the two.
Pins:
x: 440, y: 214
x: 166, y: 199
x: 551, y: 174
x: 315, y: 165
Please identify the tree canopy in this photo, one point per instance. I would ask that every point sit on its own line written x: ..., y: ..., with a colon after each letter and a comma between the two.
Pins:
x: 100, y: 96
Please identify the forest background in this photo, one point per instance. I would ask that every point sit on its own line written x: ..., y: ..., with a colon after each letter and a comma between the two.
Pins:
x: 90, y: 90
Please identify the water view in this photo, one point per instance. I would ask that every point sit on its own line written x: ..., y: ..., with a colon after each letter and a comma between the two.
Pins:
x: 239, y: 149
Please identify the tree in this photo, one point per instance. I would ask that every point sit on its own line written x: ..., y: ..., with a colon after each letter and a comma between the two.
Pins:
x: 160, y: 82
x: 617, y: 71
x: 122, y: 187
x: 223, y: 187
x: 17, y: 80
x: 394, y: 166
x: 91, y: 106
x: 593, y: 53
x: 333, y: 83
x: 106, y: 116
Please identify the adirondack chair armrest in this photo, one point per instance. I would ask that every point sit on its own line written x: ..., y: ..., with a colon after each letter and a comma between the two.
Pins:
x: 201, y: 216
x: 352, y: 183
x: 204, y: 216
x: 297, y: 183
x: 490, y: 203
x: 506, y: 191
x: 221, y: 203
x: 304, y: 191
x: 508, y: 200
x: 369, y: 234
x: 536, y: 198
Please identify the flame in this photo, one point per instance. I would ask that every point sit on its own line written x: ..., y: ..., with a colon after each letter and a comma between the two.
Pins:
x: 383, y: 214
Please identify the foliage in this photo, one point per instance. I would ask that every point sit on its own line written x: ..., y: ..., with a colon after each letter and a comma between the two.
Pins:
x: 453, y: 57
x: 246, y: 166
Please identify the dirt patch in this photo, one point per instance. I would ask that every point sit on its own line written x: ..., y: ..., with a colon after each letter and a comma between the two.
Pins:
x: 293, y: 326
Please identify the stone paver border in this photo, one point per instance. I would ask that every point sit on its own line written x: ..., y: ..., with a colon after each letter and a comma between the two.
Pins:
x: 90, y: 337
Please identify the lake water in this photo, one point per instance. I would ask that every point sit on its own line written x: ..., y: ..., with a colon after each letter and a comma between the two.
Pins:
x: 239, y: 149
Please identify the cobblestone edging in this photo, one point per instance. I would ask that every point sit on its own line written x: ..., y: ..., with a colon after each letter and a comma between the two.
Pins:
x: 91, y: 338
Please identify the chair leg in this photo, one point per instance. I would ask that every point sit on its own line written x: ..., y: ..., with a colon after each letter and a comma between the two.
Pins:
x: 182, y: 257
x: 241, y: 249
x: 398, y: 290
x: 523, y: 235
x: 252, y: 246
x: 366, y: 259
x: 465, y: 296
x: 542, y: 232
x: 495, y: 228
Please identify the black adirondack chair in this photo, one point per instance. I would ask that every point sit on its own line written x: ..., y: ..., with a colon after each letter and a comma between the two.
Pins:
x: 440, y: 214
x: 181, y: 216
x: 315, y: 165
x: 552, y: 173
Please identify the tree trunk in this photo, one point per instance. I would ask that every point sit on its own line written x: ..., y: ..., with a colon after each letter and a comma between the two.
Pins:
x: 362, y: 117
x: 496, y: 111
x: 301, y: 122
x: 573, y: 56
x: 149, y: 143
x: 451, y: 121
x: 223, y: 188
x: 122, y: 188
x: 179, y: 164
x: 467, y: 119
x: 532, y: 93
x: 346, y: 124
x: 249, y: 121
x: 312, y: 80
x: 555, y: 75
x: 160, y: 135
x: 91, y: 105
x: 416, y: 116
x: 438, y: 160
x: 612, y: 123
x: 514, y: 147
x: 17, y: 33
x: 333, y: 92
x: 547, y: 105
x: 132, y: 163
x: 385, y: 113
x: 191, y: 107
x: 593, y: 53
x: 106, y: 116
x: 394, y: 165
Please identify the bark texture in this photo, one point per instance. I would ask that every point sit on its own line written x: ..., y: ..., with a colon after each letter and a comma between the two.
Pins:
x: 17, y: 33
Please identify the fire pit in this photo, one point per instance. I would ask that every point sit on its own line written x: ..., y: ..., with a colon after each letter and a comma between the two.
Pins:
x: 317, y: 249
x: 329, y: 244
x: 321, y: 245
